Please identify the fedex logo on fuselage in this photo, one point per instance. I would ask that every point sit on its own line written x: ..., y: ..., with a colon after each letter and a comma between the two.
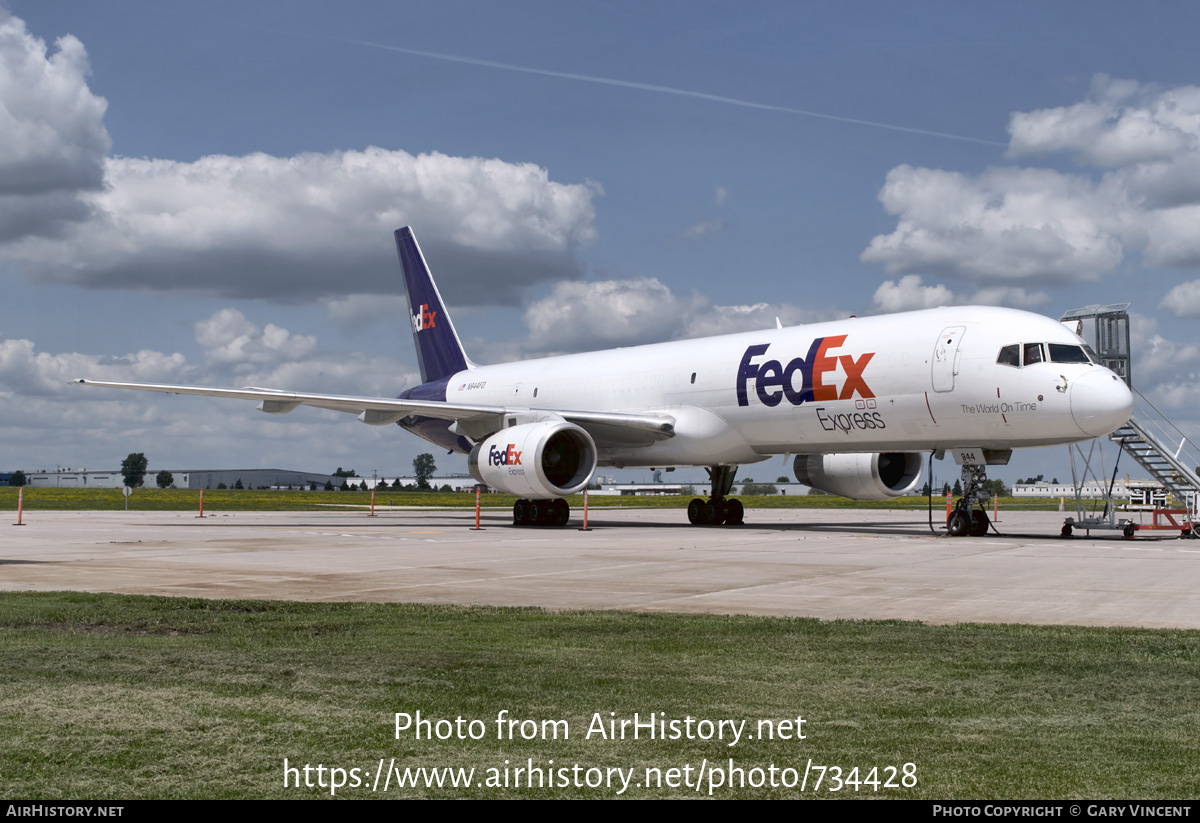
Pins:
x: 504, y: 457
x: 803, y: 378
x: 424, y: 318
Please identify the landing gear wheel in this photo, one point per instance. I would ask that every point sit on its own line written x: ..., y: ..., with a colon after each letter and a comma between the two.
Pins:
x: 1129, y: 531
x: 734, y: 512
x: 560, y: 512
x: 979, y: 523
x: 1067, y: 530
x: 538, y: 509
x: 714, y: 512
x: 696, y: 512
x: 958, y: 524
x: 521, y: 513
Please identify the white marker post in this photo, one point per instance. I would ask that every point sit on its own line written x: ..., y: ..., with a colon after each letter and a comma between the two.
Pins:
x: 126, y: 491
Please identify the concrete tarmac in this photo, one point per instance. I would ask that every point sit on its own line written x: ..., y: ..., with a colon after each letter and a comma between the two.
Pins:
x: 830, y: 564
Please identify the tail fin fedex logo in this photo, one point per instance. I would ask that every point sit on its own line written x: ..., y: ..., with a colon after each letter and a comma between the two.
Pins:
x: 424, y: 319
x: 774, y: 381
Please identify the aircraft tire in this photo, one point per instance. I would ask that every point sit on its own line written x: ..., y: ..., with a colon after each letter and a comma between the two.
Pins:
x: 979, y: 523
x: 521, y: 513
x: 696, y: 511
x: 714, y: 513
x: 958, y: 524
x: 560, y: 512
x: 539, y: 513
x: 735, y: 513
x: 1067, y: 531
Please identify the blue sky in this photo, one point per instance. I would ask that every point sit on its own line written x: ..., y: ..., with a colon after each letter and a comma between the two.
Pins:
x: 205, y: 193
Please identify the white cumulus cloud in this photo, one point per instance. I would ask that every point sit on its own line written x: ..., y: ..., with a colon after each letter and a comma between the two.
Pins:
x: 909, y: 293
x: 583, y: 316
x: 1183, y: 300
x: 296, y: 228
x: 52, y: 136
x: 1137, y: 192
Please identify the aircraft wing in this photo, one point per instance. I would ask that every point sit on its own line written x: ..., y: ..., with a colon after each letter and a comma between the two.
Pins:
x: 605, y: 427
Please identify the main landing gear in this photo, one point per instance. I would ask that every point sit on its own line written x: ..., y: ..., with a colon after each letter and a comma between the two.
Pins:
x: 966, y: 520
x: 541, y: 512
x: 718, y: 509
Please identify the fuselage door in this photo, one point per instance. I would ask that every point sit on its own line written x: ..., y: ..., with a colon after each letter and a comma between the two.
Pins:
x: 945, y: 358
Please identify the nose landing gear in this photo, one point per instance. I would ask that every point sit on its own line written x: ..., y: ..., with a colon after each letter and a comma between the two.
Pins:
x: 966, y: 520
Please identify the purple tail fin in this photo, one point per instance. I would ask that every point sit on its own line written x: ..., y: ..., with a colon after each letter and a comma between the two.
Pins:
x: 439, y: 352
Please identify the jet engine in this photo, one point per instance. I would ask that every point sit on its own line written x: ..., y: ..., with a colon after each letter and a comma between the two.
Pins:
x: 539, y: 461
x: 875, y: 476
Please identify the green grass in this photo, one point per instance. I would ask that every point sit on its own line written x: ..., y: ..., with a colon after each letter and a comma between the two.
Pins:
x: 59, y: 499
x: 106, y: 696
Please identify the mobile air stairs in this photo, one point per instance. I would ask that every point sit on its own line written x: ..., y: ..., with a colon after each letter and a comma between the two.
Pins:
x: 1144, y: 437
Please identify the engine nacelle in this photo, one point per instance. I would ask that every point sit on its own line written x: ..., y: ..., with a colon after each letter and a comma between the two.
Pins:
x: 536, y: 460
x: 875, y: 476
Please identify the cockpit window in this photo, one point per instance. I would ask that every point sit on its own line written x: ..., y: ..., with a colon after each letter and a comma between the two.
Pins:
x: 1063, y: 353
x: 1010, y: 355
x: 1033, y: 353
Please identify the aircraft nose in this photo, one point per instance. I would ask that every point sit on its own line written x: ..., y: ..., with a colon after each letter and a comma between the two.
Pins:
x: 1100, y: 402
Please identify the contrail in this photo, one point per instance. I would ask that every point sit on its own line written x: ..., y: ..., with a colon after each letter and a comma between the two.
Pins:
x: 696, y: 95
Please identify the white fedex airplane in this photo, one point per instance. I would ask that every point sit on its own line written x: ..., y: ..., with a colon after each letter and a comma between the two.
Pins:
x: 856, y: 401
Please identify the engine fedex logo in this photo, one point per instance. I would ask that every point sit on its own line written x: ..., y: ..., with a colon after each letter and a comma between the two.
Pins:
x: 424, y: 318
x: 506, y: 457
x: 774, y: 381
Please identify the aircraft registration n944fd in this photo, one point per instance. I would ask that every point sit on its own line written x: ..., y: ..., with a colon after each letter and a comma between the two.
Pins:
x: 856, y: 401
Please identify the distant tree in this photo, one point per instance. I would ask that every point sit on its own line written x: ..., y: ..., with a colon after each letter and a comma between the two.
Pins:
x: 222, y: 486
x: 328, y: 485
x: 657, y: 475
x: 957, y: 487
x: 396, y: 483
x: 345, y: 472
x: 423, y: 468
x: 926, y: 490
x: 164, y: 479
x: 445, y: 488
x: 382, y: 484
x: 312, y: 487
x: 782, y: 479
x: 362, y: 487
x: 133, y: 470
x: 759, y: 488
x: 238, y: 484
x: 345, y: 485
x: 946, y: 488
x: 18, y: 478
x: 687, y: 491
x: 1055, y: 481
